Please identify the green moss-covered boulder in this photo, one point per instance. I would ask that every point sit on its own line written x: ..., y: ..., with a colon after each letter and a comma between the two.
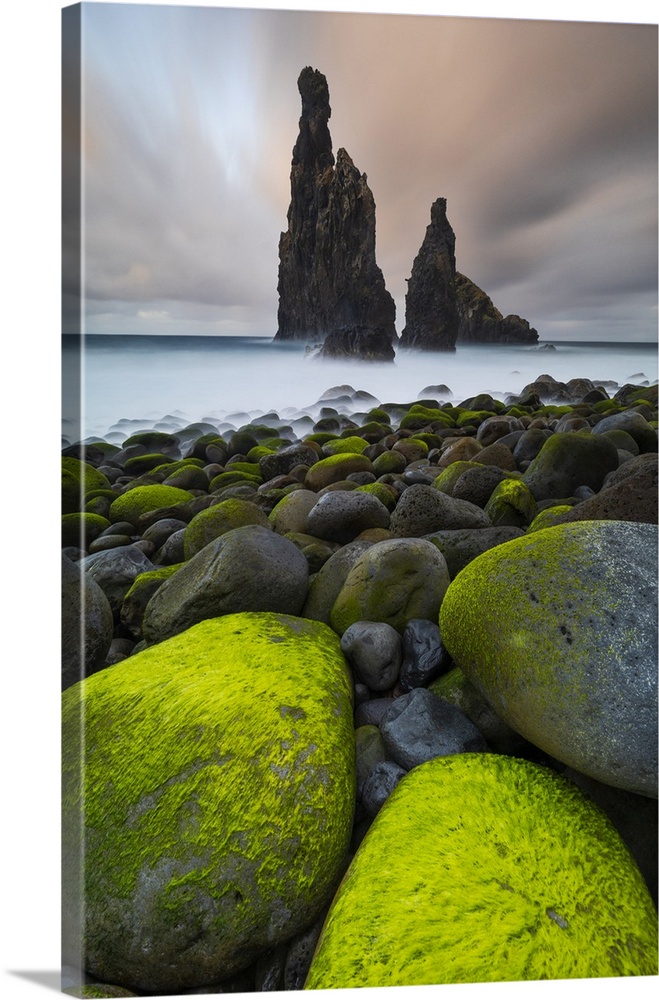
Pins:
x: 224, y: 479
x: 78, y: 479
x: 568, y: 460
x: 389, y: 462
x: 215, y: 521
x: 139, y: 464
x: 447, y: 479
x: 548, y: 517
x: 131, y: 505
x: 188, y: 477
x: 558, y: 630
x: 139, y: 594
x: 351, y: 445
x: 81, y: 529
x: 512, y: 874
x: 334, y: 469
x: 511, y: 503
x: 394, y: 581
x: 215, y: 801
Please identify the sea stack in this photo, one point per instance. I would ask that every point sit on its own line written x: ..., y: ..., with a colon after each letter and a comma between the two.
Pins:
x: 431, y: 312
x: 328, y: 276
x: 482, y: 323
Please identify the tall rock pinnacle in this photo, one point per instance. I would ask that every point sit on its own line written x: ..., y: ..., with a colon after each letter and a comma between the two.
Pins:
x: 431, y: 313
x: 328, y: 276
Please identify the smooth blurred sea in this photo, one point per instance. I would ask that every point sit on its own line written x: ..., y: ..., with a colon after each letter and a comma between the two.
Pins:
x: 114, y: 385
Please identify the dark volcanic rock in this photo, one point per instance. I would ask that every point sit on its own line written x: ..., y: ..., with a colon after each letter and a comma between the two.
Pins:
x: 431, y: 313
x: 482, y: 323
x: 328, y: 276
x: 361, y: 342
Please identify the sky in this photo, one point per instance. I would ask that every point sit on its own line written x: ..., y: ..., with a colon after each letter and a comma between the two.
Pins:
x: 541, y: 135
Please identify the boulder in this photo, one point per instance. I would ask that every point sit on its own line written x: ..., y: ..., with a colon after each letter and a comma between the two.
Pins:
x: 558, y: 631
x: 340, y: 516
x: 373, y: 650
x: 568, y: 460
x: 247, y: 569
x: 140, y: 500
x: 218, y: 792
x: 423, y: 509
x: 326, y: 584
x: 114, y: 570
x: 503, y: 872
x: 214, y: 521
x: 420, y: 726
x: 393, y: 581
x: 460, y: 546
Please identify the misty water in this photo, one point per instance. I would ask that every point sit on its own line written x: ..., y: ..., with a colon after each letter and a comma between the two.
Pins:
x: 116, y: 385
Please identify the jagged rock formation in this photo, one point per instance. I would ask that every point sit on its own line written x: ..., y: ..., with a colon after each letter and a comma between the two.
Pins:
x: 328, y: 276
x: 361, y: 343
x: 480, y: 322
x: 431, y: 313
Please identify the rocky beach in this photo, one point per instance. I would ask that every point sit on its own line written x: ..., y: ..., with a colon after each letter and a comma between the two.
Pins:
x: 383, y: 668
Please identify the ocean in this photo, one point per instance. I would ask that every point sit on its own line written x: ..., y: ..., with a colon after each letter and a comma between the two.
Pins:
x: 119, y: 384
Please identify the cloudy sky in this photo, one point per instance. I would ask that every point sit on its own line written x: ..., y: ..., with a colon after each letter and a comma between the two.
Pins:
x: 541, y: 135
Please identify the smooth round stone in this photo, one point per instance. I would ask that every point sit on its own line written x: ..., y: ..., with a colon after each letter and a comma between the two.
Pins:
x: 340, y: 516
x: 327, y: 583
x: 476, y: 485
x: 420, y: 726
x: 159, y: 532
x: 374, y: 651
x: 219, y: 787
x: 246, y: 569
x: 214, y: 521
x: 558, y: 631
x: 423, y: 509
x: 634, y: 424
x: 459, y: 547
x: 379, y: 785
x: 424, y: 654
x: 292, y: 511
x: 570, y: 460
x: 503, y: 872
x: 393, y: 581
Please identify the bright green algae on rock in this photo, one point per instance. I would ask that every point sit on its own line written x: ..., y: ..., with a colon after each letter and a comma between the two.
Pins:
x: 130, y: 506
x: 216, y: 796
x: 558, y: 630
x: 217, y: 520
x: 511, y: 874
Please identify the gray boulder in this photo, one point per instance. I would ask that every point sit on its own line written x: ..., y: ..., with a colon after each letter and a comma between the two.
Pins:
x: 373, y: 649
x: 114, y: 570
x: 423, y: 509
x: 558, y: 631
x: 341, y: 515
x: 247, y: 569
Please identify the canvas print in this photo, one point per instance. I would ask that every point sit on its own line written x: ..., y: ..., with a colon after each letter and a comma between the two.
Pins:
x: 359, y: 500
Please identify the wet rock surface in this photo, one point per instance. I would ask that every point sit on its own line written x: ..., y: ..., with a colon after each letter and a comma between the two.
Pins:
x: 379, y: 582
